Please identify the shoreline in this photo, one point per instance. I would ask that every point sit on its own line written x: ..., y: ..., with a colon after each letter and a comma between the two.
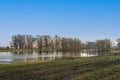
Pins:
x: 96, y: 67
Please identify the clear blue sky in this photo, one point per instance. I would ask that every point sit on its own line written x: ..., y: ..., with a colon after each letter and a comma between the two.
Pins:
x: 86, y: 19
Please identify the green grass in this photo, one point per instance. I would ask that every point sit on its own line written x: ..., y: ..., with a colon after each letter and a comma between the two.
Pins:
x: 94, y: 68
x: 22, y: 50
x: 114, y: 52
x: 15, y: 50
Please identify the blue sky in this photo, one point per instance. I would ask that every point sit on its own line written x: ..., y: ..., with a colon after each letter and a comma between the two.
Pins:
x: 85, y: 19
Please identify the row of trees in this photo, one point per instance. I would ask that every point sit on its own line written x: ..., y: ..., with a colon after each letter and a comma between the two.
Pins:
x: 22, y: 41
x: 101, y: 45
x: 57, y: 43
x: 45, y: 43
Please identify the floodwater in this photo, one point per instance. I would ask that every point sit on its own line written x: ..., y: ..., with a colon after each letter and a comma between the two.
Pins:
x: 11, y: 57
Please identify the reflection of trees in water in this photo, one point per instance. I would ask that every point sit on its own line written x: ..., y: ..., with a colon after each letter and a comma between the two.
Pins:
x: 102, y: 53
x: 71, y: 54
x: 18, y: 52
x: 23, y: 52
x: 95, y: 52
x: 39, y: 52
x: 30, y: 55
x: 30, y: 52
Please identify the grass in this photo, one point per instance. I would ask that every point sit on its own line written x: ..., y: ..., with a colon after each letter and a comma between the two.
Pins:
x: 114, y: 52
x: 22, y: 50
x: 15, y: 50
x: 94, y: 68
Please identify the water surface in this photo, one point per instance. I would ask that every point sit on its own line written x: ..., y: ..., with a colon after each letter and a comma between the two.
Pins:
x: 10, y: 57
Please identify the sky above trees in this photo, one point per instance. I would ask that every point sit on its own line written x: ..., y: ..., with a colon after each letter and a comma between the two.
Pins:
x: 85, y: 19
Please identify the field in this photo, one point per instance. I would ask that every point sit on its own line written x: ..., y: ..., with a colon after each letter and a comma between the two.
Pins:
x: 22, y: 50
x: 94, y: 68
x: 115, y: 52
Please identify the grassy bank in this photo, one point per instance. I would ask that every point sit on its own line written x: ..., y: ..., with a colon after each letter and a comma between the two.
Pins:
x: 94, y: 68
x: 14, y: 50
x: 22, y: 50
x: 114, y: 52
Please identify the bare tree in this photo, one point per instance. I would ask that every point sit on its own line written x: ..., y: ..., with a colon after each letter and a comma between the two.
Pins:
x: 103, y: 45
x: 46, y: 43
x: 39, y: 42
x: 14, y: 42
x: 118, y: 43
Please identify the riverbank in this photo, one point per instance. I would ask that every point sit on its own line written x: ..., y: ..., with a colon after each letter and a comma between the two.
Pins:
x: 114, y: 52
x: 22, y: 50
x: 100, y: 68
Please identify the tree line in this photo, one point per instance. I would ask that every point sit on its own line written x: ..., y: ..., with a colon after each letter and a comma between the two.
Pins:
x: 57, y: 43
x: 45, y: 43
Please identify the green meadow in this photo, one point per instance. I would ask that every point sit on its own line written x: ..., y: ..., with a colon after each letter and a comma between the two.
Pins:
x: 92, y: 68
